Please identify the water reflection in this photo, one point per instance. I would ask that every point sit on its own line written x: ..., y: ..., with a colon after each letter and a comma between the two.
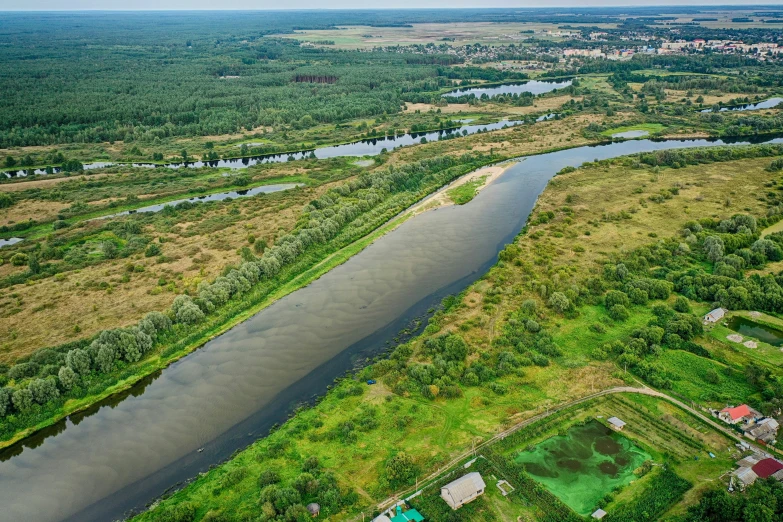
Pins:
x: 367, y: 147
x: 766, y: 104
x: 10, y: 241
x: 233, y: 389
x: 533, y: 87
x: 233, y: 194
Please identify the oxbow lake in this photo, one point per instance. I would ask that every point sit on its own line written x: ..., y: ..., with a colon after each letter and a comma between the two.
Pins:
x: 533, y: 87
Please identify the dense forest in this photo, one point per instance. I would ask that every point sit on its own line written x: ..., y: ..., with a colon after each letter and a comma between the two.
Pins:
x: 193, y: 88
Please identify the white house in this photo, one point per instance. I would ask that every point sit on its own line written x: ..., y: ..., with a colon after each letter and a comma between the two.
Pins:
x: 463, y: 490
x: 714, y: 316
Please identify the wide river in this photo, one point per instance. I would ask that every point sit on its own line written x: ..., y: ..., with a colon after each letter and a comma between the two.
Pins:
x: 228, y: 393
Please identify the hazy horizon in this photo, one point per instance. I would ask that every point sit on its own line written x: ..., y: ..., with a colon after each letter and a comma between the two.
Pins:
x: 268, y: 5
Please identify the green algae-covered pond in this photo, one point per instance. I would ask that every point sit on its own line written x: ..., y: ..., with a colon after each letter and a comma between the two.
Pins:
x: 583, y: 465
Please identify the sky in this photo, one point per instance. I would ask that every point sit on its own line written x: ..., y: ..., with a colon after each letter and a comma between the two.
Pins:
x: 126, y: 5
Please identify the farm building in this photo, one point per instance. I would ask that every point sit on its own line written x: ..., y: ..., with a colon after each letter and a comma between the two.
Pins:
x: 400, y: 516
x: 463, y: 490
x: 615, y: 423
x: 598, y: 514
x: 767, y: 467
x: 740, y: 414
x: 765, y: 430
x: 746, y: 476
x: 748, y: 462
x: 714, y: 316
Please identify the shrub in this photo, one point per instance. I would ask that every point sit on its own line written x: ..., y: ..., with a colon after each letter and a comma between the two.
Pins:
x: 152, y: 250
x: 19, y: 259
x: 619, y: 312
x: 559, y: 302
x: 5, y: 200
x: 400, y: 470
x: 682, y: 305
x: 615, y: 297
x: 268, y: 477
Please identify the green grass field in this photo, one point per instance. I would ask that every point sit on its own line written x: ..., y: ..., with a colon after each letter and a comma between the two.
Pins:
x: 466, y: 192
x: 650, y: 128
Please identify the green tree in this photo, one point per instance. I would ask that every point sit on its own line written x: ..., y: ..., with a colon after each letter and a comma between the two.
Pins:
x: 33, y: 264
x: 22, y: 400
x: 619, y: 312
x: 78, y: 360
x: 67, y: 377
x: 186, y: 311
x: 400, y: 470
x: 559, y: 302
x: 5, y: 401
x: 44, y: 390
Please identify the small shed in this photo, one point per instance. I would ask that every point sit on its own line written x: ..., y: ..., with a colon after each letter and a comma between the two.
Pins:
x: 615, y: 423
x: 714, y: 316
x: 599, y: 514
x: 746, y: 475
x: 463, y: 490
x: 748, y: 462
x: 314, y: 509
x: 407, y: 516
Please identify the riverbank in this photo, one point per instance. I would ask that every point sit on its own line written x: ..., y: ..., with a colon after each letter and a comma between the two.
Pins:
x: 441, y: 198
x: 431, y: 431
x: 161, y: 361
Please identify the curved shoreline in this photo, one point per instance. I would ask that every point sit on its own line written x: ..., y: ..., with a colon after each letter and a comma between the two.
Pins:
x: 158, y: 362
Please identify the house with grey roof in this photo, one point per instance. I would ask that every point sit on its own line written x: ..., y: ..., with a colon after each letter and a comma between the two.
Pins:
x: 714, y: 316
x: 463, y: 490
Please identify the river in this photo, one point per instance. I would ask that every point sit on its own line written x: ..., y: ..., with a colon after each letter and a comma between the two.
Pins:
x: 766, y: 104
x: 121, y: 455
x: 367, y: 147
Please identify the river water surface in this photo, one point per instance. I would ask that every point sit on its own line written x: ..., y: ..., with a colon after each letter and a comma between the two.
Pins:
x: 367, y: 147
x: 96, y: 467
x: 533, y: 87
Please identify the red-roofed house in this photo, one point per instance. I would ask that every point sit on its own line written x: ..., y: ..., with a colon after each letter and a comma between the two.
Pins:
x: 741, y: 413
x: 767, y: 467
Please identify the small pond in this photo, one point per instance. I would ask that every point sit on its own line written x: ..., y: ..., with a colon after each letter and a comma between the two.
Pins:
x: 583, y: 465
x: 630, y: 134
x: 763, y: 333
x: 533, y: 87
x: 10, y: 241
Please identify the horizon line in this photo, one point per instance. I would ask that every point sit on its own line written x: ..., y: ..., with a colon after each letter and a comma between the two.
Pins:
x: 667, y: 3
